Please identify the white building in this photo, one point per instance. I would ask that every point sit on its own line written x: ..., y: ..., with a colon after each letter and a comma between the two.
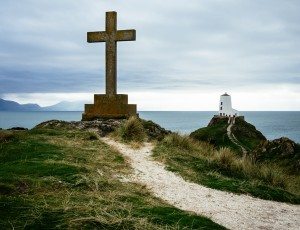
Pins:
x: 225, y: 108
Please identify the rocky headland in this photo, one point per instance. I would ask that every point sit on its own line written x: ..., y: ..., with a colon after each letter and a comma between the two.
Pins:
x: 244, y: 135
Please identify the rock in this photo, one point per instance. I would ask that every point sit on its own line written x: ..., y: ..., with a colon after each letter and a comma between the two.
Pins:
x: 216, y: 120
x: 282, y: 151
x: 282, y: 147
x: 105, y: 126
x: 102, y: 126
x: 154, y: 131
x: 18, y: 128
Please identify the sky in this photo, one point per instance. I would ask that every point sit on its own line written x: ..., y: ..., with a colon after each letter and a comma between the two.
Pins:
x: 186, y: 55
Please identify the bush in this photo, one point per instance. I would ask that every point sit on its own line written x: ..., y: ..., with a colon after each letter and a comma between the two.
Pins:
x: 132, y: 130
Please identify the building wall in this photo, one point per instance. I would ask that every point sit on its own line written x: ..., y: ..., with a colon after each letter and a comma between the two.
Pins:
x: 225, y: 107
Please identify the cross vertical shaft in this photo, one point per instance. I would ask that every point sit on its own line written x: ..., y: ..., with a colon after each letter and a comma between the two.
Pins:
x: 111, y: 53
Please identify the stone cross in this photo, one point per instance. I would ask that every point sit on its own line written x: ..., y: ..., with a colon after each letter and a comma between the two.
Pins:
x: 111, y: 36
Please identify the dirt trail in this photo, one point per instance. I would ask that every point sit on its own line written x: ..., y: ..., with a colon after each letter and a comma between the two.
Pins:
x: 232, y: 138
x: 227, y: 209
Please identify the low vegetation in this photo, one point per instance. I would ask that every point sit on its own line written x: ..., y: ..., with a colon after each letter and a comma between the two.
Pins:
x: 132, y: 130
x: 222, y: 169
x: 68, y: 179
x: 6, y: 136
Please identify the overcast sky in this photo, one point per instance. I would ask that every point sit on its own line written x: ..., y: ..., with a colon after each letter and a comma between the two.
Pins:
x: 186, y: 54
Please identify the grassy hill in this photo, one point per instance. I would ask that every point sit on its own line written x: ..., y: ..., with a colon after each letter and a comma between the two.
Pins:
x: 281, y: 152
x: 216, y: 134
x: 247, y: 134
x: 68, y: 179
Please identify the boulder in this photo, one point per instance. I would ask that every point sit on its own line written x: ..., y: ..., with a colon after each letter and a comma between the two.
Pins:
x: 283, y: 151
x: 281, y: 147
x: 154, y: 131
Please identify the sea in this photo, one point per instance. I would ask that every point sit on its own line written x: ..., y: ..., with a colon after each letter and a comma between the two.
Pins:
x: 272, y: 124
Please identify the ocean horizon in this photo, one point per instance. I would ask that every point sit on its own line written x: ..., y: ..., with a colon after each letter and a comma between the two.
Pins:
x: 273, y: 124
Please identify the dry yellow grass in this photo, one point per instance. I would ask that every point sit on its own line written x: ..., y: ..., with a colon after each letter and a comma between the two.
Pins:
x: 199, y: 161
x: 131, y: 132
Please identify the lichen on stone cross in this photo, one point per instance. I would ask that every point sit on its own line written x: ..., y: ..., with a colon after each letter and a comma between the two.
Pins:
x: 111, y: 36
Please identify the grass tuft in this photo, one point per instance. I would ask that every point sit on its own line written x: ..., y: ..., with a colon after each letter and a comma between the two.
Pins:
x: 6, y: 136
x: 225, y: 157
x: 182, y: 142
x: 131, y: 130
x: 273, y: 175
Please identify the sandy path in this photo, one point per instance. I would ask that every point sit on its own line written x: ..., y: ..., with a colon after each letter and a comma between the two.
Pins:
x: 232, y: 138
x: 227, y: 209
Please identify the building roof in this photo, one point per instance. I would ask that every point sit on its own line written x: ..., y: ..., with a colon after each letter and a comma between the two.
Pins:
x: 225, y: 94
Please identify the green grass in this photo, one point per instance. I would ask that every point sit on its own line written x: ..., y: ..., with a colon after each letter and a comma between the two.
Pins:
x: 67, y: 179
x: 247, y: 134
x: 215, y: 135
x: 222, y: 169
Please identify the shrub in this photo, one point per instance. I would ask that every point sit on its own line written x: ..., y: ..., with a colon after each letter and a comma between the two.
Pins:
x: 132, y: 130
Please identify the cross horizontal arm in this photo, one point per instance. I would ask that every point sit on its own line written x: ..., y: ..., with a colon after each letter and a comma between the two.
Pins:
x: 100, y: 36
x: 125, y: 35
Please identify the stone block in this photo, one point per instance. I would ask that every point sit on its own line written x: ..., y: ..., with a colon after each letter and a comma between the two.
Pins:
x: 109, y: 106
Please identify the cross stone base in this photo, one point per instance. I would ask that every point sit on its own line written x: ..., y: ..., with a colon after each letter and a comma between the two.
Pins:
x: 109, y: 106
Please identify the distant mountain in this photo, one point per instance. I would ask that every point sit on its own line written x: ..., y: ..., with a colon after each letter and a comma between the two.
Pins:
x: 66, y: 106
x: 6, y: 105
x: 14, y: 106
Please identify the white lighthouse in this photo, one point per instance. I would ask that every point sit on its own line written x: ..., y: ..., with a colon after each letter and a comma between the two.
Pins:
x: 225, y: 108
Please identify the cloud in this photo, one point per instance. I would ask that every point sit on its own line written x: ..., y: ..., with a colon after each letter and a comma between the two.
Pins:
x: 194, y: 45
